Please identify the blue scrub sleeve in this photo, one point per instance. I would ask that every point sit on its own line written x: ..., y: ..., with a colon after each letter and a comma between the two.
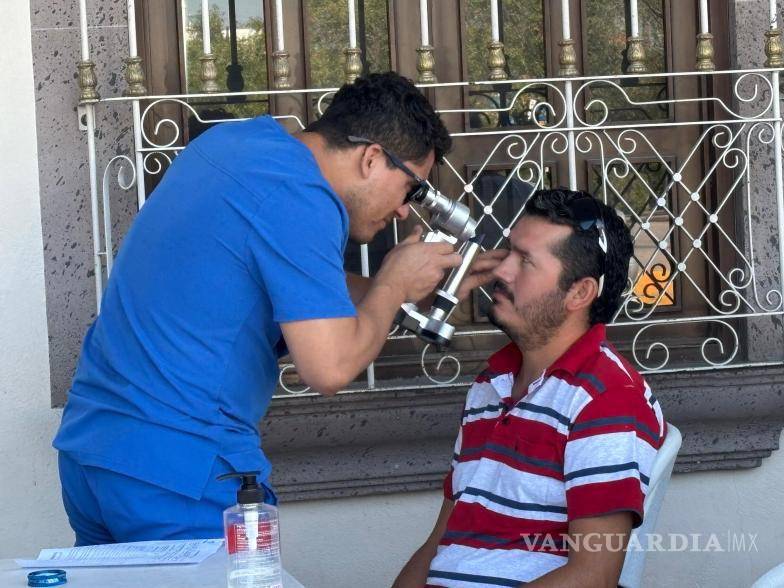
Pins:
x: 296, y: 247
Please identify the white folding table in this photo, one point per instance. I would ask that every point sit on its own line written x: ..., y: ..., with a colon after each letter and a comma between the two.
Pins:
x: 211, y: 573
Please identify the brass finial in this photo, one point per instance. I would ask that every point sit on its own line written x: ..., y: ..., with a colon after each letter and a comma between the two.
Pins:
x: 209, y: 74
x: 635, y: 55
x: 567, y: 59
x: 773, y: 48
x: 705, y: 52
x: 496, y: 61
x: 134, y: 77
x: 426, y: 65
x: 353, y: 65
x: 87, y: 82
x: 281, y: 70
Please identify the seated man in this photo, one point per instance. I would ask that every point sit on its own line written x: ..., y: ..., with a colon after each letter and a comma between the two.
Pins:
x: 559, y: 433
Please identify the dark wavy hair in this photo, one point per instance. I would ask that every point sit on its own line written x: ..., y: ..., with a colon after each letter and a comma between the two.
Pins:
x: 580, y: 254
x: 388, y: 109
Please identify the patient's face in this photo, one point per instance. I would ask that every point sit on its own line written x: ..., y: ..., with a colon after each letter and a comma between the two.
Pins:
x: 527, y: 302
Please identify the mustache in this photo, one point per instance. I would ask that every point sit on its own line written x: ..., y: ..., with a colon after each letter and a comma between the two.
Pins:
x: 486, y: 304
x: 501, y: 288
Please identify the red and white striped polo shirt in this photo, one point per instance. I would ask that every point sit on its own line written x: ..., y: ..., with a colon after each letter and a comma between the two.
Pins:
x: 580, y: 443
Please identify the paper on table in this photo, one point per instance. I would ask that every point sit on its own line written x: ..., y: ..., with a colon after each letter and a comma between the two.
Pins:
x: 141, y: 553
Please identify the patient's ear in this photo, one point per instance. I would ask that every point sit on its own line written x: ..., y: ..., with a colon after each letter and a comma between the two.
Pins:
x: 581, y: 294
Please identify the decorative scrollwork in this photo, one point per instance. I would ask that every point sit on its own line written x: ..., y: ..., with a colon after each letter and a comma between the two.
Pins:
x: 122, y: 163
x: 163, y: 123
x: 540, y: 109
x: 600, y: 107
x: 513, y: 141
x: 631, y: 306
x: 441, y: 360
x: 756, y: 95
x: 558, y: 142
x: 726, y: 353
x: 153, y: 164
x: 291, y: 117
x: 320, y: 103
x: 652, y: 347
x: 713, y: 340
x: 531, y: 173
x: 121, y: 178
x: 738, y: 279
x: 764, y: 133
x: 170, y: 123
x: 285, y: 368
x: 680, y: 206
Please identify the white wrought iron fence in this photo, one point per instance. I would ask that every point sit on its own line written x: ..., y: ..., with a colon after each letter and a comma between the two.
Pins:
x: 707, y: 224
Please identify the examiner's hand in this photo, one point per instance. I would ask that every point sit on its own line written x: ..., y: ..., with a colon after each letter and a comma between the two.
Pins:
x: 414, y: 268
x: 481, y: 271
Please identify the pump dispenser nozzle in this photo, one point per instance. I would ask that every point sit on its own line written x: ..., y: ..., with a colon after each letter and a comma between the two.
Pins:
x: 250, y: 492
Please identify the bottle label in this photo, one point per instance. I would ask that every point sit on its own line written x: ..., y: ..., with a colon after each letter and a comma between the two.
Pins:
x: 267, y: 539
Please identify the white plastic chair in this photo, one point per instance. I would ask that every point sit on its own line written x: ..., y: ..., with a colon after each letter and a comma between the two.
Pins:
x: 772, y: 579
x: 634, y: 564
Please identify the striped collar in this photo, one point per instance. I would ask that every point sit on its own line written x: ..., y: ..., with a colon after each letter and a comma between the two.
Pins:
x: 505, y: 363
x: 574, y: 358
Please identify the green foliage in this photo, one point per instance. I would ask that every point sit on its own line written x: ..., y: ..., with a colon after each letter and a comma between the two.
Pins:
x: 637, y: 198
x: 522, y: 33
x: 327, y: 33
x: 251, y: 55
x: 605, y: 33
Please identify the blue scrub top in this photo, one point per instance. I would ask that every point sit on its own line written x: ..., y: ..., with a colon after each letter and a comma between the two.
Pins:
x: 242, y: 234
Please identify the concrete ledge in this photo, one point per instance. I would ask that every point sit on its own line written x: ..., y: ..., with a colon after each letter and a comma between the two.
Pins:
x: 381, y: 442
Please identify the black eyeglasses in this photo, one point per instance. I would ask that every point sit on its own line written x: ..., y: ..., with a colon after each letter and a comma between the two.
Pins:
x: 587, y: 213
x: 418, y: 192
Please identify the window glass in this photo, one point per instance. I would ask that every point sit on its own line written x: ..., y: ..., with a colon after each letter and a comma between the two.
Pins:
x: 327, y: 26
x: 606, y: 29
x: 636, y: 198
x: 521, y: 30
x: 238, y: 42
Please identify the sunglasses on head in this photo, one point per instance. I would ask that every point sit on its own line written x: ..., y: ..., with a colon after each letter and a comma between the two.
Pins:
x: 416, y: 193
x: 587, y: 215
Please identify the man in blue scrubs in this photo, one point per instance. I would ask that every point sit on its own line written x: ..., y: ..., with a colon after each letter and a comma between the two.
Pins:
x: 236, y: 257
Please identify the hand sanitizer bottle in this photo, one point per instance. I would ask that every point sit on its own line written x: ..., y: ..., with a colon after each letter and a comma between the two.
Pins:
x: 252, y: 537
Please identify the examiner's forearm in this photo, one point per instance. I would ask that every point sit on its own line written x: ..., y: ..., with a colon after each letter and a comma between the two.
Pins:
x: 375, y: 314
x: 330, y: 353
x: 358, y: 287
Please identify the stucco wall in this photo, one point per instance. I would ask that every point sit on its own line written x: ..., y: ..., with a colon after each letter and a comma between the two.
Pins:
x: 30, y: 511
x: 365, y: 541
